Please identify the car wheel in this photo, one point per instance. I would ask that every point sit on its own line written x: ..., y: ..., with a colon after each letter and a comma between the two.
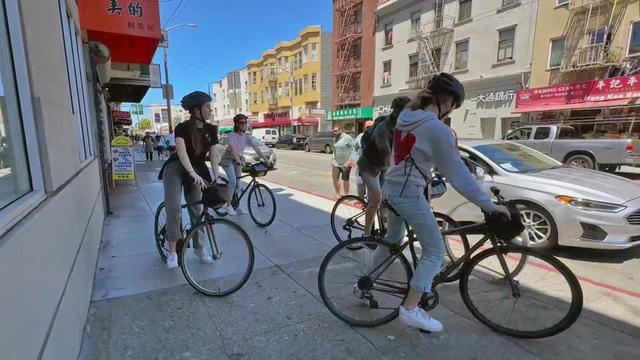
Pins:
x: 581, y: 161
x: 540, y: 231
x: 327, y: 149
x: 306, y: 148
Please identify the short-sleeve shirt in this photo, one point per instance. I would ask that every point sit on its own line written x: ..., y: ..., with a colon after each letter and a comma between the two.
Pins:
x: 209, y: 135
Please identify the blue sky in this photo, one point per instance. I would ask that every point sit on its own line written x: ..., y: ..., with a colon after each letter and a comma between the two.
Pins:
x: 229, y: 33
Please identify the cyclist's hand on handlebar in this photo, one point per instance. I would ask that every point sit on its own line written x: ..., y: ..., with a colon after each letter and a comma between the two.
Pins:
x: 503, y: 211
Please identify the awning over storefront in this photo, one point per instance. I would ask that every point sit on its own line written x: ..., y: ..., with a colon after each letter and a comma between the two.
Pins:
x: 303, y: 121
x: 130, y: 29
x: 121, y: 117
x: 270, y: 124
x: 603, y: 93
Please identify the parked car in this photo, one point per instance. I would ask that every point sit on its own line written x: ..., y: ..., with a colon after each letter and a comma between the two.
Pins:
x: 561, y: 205
x: 320, y: 141
x: 267, y: 136
x: 290, y: 141
x: 250, y: 156
x: 563, y: 144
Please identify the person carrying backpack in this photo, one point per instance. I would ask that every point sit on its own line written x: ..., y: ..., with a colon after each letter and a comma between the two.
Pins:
x: 376, y: 144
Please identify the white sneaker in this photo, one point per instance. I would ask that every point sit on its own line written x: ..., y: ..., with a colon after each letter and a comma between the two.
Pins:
x: 420, y: 319
x: 204, y: 256
x: 172, y: 261
x: 241, y: 211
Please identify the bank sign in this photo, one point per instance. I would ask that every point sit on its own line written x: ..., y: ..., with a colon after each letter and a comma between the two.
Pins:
x: 350, y: 114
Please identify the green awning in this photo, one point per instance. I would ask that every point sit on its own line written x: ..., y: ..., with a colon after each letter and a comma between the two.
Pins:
x: 351, y: 113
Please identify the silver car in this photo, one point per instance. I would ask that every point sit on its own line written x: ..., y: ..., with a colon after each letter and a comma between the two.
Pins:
x: 561, y: 205
x: 250, y: 156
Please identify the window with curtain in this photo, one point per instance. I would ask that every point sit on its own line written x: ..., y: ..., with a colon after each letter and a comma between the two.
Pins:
x: 462, y: 55
x: 388, y: 34
x: 556, y: 51
x: 506, y: 40
x: 386, y: 72
x: 464, y: 11
x: 413, y: 66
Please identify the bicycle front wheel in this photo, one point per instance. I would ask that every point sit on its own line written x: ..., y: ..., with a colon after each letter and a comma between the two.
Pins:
x: 262, y: 205
x: 232, y: 253
x: 364, y: 287
x: 347, y: 218
x: 538, y: 300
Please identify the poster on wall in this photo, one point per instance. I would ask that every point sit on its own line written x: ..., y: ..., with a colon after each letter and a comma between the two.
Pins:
x: 122, y: 159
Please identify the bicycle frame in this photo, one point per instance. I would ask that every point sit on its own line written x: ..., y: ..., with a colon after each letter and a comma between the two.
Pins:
x: 205, y: 218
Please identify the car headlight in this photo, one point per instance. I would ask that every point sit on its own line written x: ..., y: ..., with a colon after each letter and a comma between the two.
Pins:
x: 590, y: 205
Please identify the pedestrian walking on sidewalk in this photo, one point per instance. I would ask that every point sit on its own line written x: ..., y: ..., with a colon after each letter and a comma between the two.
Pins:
x: 149, y: 145
x: 357, y: 152
x: 159, y: 146
x: 232, y: 159
x: 186, y: 171
x: 341, y: 162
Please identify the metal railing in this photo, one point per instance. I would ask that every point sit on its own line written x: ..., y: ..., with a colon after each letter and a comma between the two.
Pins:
x: 597, y: 54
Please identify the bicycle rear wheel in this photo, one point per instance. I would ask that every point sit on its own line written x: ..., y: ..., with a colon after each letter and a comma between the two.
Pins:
x: 262, y: 205
x: 347, y: 218
x: 160, y: 231
x: 359, y: 292
x: 538, y: 300
x: 231, y: 250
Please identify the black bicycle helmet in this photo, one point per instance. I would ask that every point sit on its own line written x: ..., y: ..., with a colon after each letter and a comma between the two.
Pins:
x: 398, y: 104
x: 505, y: 229
x: 447, y: 83
x: 195, y: 100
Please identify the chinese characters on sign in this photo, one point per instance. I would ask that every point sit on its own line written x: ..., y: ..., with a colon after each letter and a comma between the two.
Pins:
x: 114, y: 8
x: 135, y: 10
x: 351, y: 113
x: 496, y: 96
x: 618, y: 88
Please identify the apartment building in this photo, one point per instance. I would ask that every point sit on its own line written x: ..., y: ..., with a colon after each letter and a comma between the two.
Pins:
x: 290, y: 85
x: 586, y: 61
x: 486, y: 44
x: 230, y: 97
x: 160, y: 117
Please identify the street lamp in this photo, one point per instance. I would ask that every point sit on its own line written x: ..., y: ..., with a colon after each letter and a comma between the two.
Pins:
x: 166, y: 70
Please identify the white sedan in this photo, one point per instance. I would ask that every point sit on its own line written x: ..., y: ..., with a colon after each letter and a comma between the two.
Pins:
x: 561, y: 205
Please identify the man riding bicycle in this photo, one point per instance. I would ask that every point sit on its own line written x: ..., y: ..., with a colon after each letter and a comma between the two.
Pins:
x: 422, y: 141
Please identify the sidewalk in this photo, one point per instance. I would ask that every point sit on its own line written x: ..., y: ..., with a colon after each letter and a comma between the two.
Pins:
x: 141, y: 310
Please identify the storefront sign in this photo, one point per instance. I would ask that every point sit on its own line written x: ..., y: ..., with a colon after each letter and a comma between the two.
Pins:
x: 129, y: 28
x: 122, y: 159
x: 493, y: 96
x: 618, y: 88
x: 351, y: 113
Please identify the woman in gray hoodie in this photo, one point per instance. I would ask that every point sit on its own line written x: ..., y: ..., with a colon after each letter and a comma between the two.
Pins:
x: 422, y: 141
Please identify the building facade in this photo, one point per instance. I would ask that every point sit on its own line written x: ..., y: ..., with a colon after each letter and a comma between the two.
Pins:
x: 584, y: 47
x: 160, y: 117
x: 289, y: 86
x: 230, y: 97
x: 486, y: 44
x: 353, y: 41
x: 57, y: 80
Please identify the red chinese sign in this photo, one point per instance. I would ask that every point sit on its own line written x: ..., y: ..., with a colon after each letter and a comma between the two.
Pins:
x: 582, y: 93
x: 129, y: 28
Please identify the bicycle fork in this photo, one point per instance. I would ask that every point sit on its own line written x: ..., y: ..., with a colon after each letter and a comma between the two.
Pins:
x: 216, y: 253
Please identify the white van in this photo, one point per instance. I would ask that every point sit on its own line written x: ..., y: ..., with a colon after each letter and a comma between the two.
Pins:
x: 267, y: 136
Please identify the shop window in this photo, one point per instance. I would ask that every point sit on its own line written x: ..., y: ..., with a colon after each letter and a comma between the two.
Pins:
x: 506, y: 40
x: 462, y: 55
x: 556, y: 52
x: 77, y: 83
x: 388, y: 34
x: 464, y: 11
x: 634, y: 39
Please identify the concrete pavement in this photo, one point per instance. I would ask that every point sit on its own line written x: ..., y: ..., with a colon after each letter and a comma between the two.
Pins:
x: 141, y: 310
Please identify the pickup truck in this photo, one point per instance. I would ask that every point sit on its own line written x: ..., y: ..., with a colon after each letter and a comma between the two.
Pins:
x: 562, y: 143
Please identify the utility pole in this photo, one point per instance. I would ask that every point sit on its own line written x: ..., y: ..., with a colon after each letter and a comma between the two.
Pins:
x: 167, y: 95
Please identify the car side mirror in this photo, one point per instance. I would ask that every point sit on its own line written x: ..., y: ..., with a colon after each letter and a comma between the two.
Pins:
x: 480, y: 173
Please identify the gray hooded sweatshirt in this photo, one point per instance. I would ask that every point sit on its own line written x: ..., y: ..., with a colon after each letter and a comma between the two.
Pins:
x: 430, y: 143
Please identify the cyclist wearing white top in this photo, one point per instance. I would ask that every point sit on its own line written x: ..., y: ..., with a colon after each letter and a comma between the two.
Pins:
x: 422, y: 141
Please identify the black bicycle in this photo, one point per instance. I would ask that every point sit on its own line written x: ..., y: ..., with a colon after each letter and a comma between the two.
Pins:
x: 513, y: 290
x: 227, y: 243
x: 348, y: 218
x: 261, y: 202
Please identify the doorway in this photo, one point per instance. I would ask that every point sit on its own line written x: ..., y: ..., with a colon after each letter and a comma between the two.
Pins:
x: 488, y: 128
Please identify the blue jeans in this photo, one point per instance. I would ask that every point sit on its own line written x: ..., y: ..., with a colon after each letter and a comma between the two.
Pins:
x: 233, y: 171
x: 414, y: 209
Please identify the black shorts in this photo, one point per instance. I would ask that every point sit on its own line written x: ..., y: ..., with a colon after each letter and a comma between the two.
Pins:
x: 341, y: 172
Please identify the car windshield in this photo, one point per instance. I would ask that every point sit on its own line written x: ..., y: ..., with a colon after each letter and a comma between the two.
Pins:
x: 517, y: 158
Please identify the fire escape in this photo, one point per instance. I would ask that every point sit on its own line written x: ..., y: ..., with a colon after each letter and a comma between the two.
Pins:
x: 589, y: 33
x: 348, y: 49
x: 434, y: 40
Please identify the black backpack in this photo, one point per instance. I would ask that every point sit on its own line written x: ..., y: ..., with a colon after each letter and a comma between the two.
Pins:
x: 369, y: 148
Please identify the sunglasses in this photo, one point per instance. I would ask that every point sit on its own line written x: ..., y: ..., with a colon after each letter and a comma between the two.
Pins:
x: 242, y: 123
